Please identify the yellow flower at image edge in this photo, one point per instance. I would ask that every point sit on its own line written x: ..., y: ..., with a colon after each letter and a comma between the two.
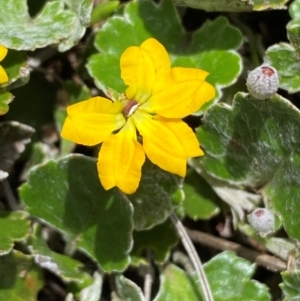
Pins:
x: 3, y: 75
x: 156, y: 99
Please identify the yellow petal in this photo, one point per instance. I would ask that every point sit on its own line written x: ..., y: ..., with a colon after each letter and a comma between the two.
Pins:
x: 184, y: 94
x: 167, y: 143
x: 92, y: 121
x: 3, y: 52
x: 3, y: 76
x: 141, y: 65
x: 120, y: 160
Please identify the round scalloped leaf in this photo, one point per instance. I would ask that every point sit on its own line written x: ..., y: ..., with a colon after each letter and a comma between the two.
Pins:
x: 18, y: 31
x: 256, y: 143
x: 246, y: 143
x: 291, y: 285
x: 229, y: 278
x: 5, y: 99
x: 288, y: 53
x: 212, y: 48
x: 152, y: 201
x: 200, y: 200
x: 14, y: 226
x: 67, y: 195
x: 232, y: 5
x: 20, y: 278
x: 159, y: 239
x: 288, y: 72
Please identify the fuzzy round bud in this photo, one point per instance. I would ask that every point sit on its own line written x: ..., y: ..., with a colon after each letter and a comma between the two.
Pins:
x: 262, y: 82
x: 262, y: 220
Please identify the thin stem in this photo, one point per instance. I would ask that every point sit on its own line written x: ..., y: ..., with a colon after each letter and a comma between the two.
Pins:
x: 272, y: 263
x: 148, y: 279
x: 191, y: 251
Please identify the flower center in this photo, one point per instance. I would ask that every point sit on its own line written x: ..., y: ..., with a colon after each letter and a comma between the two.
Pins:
x: 129, y: 108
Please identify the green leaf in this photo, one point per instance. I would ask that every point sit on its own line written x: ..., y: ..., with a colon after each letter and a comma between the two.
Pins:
x: 288, y: 73
x: 232, y: 5
x: 13, y: 138
x: 103, y: 10
x: 128, y: 290
x: 212, y: 48
x: 68, y: 269
x: 82, y: 9
x: 159, y: 239
x: 176, y: 285
x: 152, y: 201
x: 20, y: 278
x: 291, y: 285
x: 283, y: 191
x: 229, y: 278
x: 5, y: 99
x: 18, y: 31
x: 14, y: 226
x: 200, y: 200
x: 288, y: 53
x: 256, y: 143
x: 245, y: 143
x: 96, y: 221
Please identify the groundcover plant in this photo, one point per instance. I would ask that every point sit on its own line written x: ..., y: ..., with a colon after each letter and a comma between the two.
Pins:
x: 149, y: 150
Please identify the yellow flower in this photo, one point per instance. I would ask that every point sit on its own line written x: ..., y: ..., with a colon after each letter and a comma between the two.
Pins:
x: 3, y: 75
x: 156, y: 99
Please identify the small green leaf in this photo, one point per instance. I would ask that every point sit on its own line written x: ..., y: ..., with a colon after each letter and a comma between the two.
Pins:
x: 200, y: 200
x: 152, y: 201
x: 128, y: 290
x: 67, y: 268
x: 288, y: 72
x: 103, y: 10
x: 290, y: 285
x: 14, y: 226
x: 212, y: 48
x: 159, y: 239
x: 96, y: 221
x: 285, y: 57
x: 18, y: 31
x: 176, y: 285
x: 5, y: 99
x: 20, y: 278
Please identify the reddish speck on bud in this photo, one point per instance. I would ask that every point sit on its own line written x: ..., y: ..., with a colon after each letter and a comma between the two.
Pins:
x: 262, y: 82
x: 262, y: 220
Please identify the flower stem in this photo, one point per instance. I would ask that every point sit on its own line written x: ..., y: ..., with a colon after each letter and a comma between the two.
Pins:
x: 191, y: 251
